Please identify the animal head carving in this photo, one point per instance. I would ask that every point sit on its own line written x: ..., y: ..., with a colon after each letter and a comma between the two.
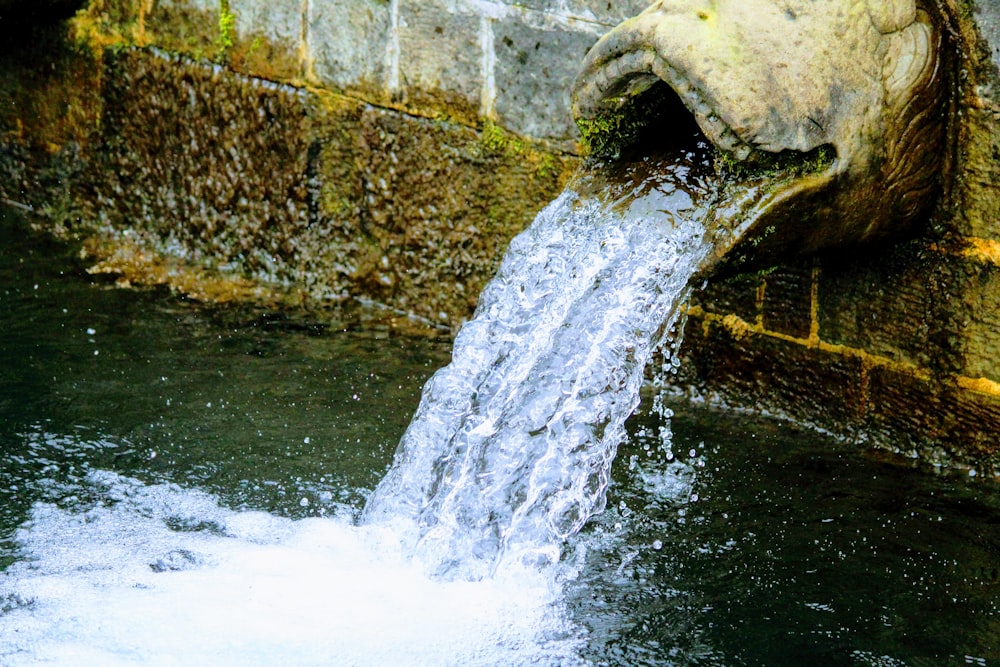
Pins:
x: 763, y: 78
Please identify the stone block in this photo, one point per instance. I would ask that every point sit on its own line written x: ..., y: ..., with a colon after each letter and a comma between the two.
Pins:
x: 730, y: 295
x: 609, y: 12
x: 348, y: 44
x: 763, y: 373
x: 977, y: 301
x: 932, y: 418
x: 979, y: 176
x: 987, y: 16
x: 787, y: 304
x: 190, y: 27
x: 268, y: 36
x: 534, y: 72
x: 898, y: 303
x: 441, y: 58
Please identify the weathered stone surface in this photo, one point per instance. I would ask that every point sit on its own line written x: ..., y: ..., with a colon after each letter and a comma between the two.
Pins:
x: 896, y: 303
x: 787, y: 303
x: 735, y: 295
x: 314, y: 193
x: 348, y: 44
x: 987, y: 16
x: 441, y: 58
x: 933, y: 419
x: 765, y: 373
x: 441, y: 203
x: 979, y: 176
x: 610, y: 12
x: 196, y: 164
x: 190, y: 27
x: 974, y: 319
x: 590, y: 16
x: 533, y: 71
x: 268, y: 34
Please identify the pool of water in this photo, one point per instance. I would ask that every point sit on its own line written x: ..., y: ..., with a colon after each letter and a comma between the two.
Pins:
x: 178, y: 485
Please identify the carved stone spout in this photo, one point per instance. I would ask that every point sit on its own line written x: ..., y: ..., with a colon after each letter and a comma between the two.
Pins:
x: 864, y: 82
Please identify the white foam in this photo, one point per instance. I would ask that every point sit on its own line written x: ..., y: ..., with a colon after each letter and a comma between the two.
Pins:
x: 159, y: 575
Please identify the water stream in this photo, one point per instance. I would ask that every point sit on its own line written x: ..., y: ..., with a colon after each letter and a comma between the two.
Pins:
x: 511, y: 448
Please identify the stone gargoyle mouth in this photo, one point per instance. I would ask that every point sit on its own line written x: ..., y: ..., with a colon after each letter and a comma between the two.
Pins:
x: 852, y: 93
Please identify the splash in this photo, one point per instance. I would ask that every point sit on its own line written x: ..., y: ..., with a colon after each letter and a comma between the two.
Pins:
x: 510, y: 450
x: 159, y: 575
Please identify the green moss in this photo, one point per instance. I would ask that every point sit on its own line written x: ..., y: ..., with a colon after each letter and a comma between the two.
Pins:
x: 226, y: 38
x: 608, y: 134
x: 789, y: 164
x: 496, y: 142
x: 548, y: 166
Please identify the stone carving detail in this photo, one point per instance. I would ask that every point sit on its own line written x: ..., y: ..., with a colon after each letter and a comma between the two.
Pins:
x: 865, y: 78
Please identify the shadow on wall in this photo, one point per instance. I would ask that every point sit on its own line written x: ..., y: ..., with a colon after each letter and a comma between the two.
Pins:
x: 16, y: 15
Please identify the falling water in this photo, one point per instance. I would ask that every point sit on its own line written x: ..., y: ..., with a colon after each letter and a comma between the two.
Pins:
x: 510, y: 450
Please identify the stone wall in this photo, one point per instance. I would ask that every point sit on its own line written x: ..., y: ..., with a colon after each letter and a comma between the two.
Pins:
x: 321, y: 151
x: 305, y: 151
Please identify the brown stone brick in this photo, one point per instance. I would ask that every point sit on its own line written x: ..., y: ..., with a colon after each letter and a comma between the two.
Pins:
x: 787, y: 306
x: 897, y: 302
x: 978, y: 179
x: 934, y: 413
x: 977, y: 304
x: 730, y: 295
x: 762, y: 372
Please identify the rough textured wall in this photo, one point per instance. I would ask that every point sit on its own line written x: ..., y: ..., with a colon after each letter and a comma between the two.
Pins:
x: 309, y: 151
x: 387, y: 150
x: 511, y: 62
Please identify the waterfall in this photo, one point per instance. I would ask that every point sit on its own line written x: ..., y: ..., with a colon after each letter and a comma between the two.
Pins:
x: 510, y: 450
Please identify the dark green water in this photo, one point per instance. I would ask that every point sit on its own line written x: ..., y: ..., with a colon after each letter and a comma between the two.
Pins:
x: 769, y: 545
x: 262, y: 409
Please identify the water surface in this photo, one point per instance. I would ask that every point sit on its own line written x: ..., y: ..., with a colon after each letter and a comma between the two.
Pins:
x: 179, y: 484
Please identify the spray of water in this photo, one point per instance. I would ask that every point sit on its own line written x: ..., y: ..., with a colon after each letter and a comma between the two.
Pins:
x: 510, y: 450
